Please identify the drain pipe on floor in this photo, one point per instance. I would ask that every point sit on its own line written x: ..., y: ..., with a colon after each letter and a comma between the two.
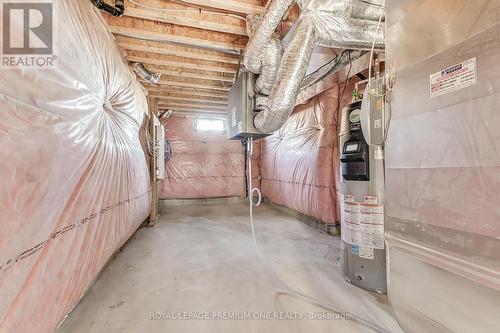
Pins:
x: 117, y: 10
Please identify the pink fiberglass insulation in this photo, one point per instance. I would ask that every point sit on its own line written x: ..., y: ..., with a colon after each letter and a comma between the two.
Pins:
x: 205, y: 164
x: 73, y: 172
x: 300, y: 161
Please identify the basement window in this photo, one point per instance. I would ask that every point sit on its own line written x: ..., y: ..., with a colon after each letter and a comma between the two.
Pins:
x: 210, y: 125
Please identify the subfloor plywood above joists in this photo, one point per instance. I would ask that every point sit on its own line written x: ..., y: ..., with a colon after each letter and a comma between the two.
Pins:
x: 190, y: 73
x: 187, y: 91
x: 195, y: 45
x: 164, y: 60
x: 186, y: 15
x: 166, y: 32
x: 134, y: 44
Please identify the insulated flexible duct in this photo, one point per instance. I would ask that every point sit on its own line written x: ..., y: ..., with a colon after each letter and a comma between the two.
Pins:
x: 347, y: 24
x: 269, y: 57
x: 262, y: 55
x: 313, y: 27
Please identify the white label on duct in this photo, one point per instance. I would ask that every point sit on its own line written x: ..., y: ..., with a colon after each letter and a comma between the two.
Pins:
x: 366, y: 252
x: 454, y: 78
x: 378, y: 123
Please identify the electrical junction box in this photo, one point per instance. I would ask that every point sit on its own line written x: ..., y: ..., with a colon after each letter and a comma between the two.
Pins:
x: 244, y: 105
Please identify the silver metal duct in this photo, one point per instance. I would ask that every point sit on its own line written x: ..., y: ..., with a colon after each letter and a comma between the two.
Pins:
x: 324, y: 27
x: 255, y: 54
x: 269, y: 57
x: 360, y: 9
x: 145, y: 74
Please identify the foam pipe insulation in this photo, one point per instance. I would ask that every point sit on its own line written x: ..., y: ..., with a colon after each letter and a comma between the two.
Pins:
x: 348, y: 25
x: 145, y: 74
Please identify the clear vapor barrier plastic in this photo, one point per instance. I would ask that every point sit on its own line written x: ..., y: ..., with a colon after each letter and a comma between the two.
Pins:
x: 205, y: 164
x: 74, y: 179
x: 443, y: 165
x: 300, y: 161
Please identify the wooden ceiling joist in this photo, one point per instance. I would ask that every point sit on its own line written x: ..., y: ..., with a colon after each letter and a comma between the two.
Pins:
x: 166, y: 32
x: 207, y: 101
x: 235, y: 6
x: 194, y: 112
x: 186, y: 91
x: 174, y: 13
x: 193, y: 106
x: 217, y: 85
x: 140, y: 45
x: 205, y: 75
x: 165, y: 83
x: 163, y: 60
x: 192, y: 103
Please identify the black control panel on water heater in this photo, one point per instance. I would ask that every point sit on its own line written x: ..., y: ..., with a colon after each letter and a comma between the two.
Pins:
x: 355, y: 155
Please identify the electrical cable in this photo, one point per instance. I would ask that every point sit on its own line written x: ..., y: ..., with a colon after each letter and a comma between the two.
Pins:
x: 339, y: 101
x: 272, y: 274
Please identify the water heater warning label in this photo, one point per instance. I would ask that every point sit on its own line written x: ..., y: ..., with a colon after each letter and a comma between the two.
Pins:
x: 454, y: 78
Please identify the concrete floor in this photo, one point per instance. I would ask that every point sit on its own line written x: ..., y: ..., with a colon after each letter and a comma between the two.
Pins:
x: 201, y: 258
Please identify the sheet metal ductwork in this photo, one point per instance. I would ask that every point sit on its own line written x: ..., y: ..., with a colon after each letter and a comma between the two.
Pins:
x: 349, y: 25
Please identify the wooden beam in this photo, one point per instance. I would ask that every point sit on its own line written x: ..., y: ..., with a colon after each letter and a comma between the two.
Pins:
x: 162, y: 60
x: 186, y: 91
x: 195, y: 106
x: 204, y: 75
x: 153, y: 214
x: 191, y: 107
x: 164, y: 83
x: 173, y: 99
x: 164, y: 102
x: 210, y: 84
x: 134, y: 44
x: 196, y: 113
x: 234, y: 6
x: 164, y: 32
x: 189, y: 18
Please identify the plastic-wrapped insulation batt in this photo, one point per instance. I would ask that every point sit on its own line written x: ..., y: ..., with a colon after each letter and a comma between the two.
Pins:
x: 75, y: 182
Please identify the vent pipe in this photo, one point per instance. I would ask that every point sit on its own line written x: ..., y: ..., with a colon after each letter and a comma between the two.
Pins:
x: 116, y: 10
x: 145, y: 74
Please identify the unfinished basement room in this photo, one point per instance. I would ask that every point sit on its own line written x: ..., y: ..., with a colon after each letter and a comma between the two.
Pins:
x: 250, y: 166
